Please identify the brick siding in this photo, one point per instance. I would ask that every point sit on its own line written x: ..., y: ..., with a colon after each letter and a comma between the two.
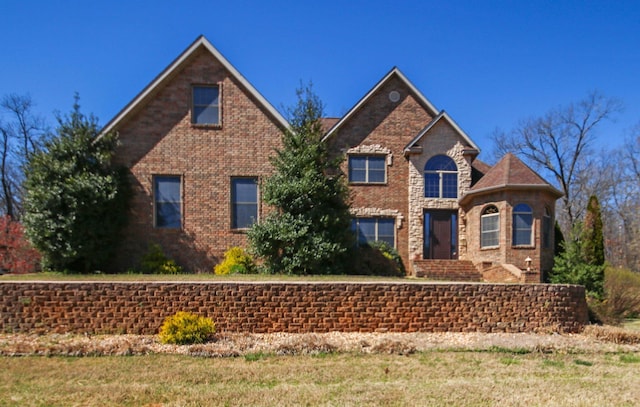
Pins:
x: 140, y: 307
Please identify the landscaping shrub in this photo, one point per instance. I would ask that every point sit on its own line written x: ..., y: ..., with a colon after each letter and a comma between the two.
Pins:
x: 236, y: 261
x: 378, y: 259
x: 16, y: 253
x: 186, y: 328
x: 622, y: 296
x: 156, y: 262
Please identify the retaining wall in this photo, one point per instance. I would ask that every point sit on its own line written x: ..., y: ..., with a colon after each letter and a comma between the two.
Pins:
x: 263, y: 307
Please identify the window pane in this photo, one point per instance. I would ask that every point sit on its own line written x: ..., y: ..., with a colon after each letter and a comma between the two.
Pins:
x: 357, y: 169
x: 367, y: 229
x: 205, y: 115
x: 168, y: 215
x: 205, y: 95
x: 376, y: 175
x: 522, y: 221
x: 167, y: 201
x: 431, y: 185
x: 386, y: 231
x: 167, y: 189
x: 205, y: 105
x: 449, y: 185
x: 489, y: 235
x: 442, y: 163
x: 245, y: 190
x: 244, y: 215
x: 376, y: 163
x: 522, y: 237
x: 244, y: 202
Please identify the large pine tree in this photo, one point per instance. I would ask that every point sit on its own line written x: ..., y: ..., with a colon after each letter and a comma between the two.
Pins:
x: 76, y: 200
x: 592, y: 233
x: 308, y: 232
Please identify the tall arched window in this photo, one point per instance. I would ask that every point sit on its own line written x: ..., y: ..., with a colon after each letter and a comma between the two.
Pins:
x: 490, y: 227
x: 441, y: 178
x: 522, y: 225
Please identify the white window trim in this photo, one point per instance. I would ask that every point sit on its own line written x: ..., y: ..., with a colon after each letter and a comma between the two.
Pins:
x: 483, y: 232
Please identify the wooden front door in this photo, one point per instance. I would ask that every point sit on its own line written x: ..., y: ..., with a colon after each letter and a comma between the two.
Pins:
x: 440, y: 234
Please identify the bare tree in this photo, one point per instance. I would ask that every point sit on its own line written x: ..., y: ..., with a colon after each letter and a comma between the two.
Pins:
x: 559, y: 144
x: 623, y: 204
x: 21, y: 133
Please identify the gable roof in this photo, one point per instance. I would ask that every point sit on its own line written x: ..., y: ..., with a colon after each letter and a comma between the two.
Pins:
x: 442, y: 116
x: 169, y: 71
x: 510, y: 173
x: 394, y: 72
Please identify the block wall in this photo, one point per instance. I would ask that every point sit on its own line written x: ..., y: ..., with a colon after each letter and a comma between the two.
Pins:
x: 140, y: 307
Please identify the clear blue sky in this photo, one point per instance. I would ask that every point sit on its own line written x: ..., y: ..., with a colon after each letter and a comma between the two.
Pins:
x: 488, y: 63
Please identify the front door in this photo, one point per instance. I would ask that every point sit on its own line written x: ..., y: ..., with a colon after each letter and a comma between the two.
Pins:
x: 440, y: 234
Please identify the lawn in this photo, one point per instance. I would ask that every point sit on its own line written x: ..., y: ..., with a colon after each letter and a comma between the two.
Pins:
x: 55, y: 276
x: 463, y: 378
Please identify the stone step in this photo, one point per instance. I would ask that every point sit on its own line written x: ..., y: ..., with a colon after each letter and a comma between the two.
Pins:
x: 447, y: 270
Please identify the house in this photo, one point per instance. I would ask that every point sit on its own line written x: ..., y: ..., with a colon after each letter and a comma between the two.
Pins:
x: 197, y: 142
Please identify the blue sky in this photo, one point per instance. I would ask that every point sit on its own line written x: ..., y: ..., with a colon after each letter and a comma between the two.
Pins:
x: 487, y: 63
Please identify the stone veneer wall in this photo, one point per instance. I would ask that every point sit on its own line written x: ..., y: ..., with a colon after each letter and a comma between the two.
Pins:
x: 140, y: 307
x: 444, y: 141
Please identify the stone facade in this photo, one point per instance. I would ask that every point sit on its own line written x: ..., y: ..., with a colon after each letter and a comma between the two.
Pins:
x: 140, y: 308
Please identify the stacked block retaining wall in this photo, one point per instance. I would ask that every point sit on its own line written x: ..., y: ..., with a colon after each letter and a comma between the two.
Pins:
x: 264, y: 307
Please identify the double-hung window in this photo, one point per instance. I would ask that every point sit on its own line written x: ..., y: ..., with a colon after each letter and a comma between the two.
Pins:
x: 367, y: 169
x: 244, y: 202
x: 490, y: 227
x: 167, y: 193
x: 205, y: 108
x: 374, y: 229
x: 522, y: 225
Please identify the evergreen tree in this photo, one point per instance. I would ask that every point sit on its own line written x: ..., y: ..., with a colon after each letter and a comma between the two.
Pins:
x: 75, y: 201
x: 592, y: 234
x: 309, y: 230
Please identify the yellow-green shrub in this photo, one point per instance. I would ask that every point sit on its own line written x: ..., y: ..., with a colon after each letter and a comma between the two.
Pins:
x: 236, y: 261
x: 186, y: 328
x: 155, y: 261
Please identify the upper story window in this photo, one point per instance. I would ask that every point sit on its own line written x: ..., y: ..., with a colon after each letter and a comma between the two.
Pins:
x: 375, y: 229
x: 546, y: 228
x: 490, y: 227
x: 167, y: 193
x: 440, y: 178
x: 522, y: 225
x: 367, y: 169
x: 206, y: 105
x: 244, y: 202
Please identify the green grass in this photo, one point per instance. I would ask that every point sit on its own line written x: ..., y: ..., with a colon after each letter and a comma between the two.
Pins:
x: 632, y: 324
x: 55, y: 276
x: 429, y: 378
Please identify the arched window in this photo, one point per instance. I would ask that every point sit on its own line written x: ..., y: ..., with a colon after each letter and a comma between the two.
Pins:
x: 441, y: 178
x: 490, y: 227
x: 522, y: 225
x: 546, y: 228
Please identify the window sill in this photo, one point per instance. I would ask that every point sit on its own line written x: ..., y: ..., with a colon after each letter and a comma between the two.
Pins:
x: 240, y: 231
x: 206, y: 126
x: 490, y: 248
x: 378, y: 184
x: 523, y: 247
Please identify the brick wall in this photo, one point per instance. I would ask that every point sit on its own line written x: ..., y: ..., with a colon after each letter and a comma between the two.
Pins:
x: 159, y: 139
x: 130, y: 307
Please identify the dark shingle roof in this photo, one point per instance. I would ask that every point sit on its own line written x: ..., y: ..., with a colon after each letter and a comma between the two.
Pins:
x: 510, y: 173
